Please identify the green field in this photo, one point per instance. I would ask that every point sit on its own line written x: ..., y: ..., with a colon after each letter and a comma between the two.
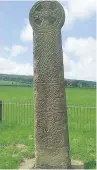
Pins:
x: 74, y: 96
x: 17, y: 140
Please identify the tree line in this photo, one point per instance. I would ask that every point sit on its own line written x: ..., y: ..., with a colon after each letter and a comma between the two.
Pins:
x: 28, y: 80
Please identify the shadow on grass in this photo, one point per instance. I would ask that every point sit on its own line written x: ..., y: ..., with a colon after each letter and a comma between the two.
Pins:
x: 90, y: 165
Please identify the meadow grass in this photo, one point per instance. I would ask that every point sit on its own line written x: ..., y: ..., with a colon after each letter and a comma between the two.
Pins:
x: 74, y: 96
x: 17, y: 127
x: 82, y: 145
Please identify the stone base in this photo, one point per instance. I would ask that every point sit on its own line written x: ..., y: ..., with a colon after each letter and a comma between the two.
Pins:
x: 30, y: 164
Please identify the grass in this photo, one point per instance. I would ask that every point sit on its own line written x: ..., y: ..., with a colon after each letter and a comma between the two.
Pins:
x: 77, y: 96
x: 16, y: 93
x: 74, y: 96
x: 82, y: 145
x: 11, y: 135
x: 81, y: 127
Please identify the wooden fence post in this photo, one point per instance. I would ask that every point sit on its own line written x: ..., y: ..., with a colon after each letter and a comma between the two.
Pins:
x: 0, y: 110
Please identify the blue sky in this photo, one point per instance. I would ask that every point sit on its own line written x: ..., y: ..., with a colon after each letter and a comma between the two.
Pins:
x: 78, y: 38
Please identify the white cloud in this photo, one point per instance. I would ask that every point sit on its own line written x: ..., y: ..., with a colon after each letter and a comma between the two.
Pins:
x: 9, y: 67
x: 82, y: 58
x: 27, y: 32
x: 79, y: 59
x: 7, y: 49
x: 66, y: 62
x: 79, y: 9
x: 82, y: 8
x: 84, y: 48
x: 76, y: 9
x: 17, y: 49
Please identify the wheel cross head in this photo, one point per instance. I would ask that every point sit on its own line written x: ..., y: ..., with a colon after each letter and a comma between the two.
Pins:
x: 46, y: 16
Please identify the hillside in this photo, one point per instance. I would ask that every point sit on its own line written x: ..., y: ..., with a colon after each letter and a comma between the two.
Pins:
x: 23, y: 80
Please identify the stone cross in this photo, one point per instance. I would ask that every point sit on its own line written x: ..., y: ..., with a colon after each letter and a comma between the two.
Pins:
x: 51, y: 124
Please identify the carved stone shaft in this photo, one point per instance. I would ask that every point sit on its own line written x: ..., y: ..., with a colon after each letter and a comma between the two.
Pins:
x: 51, y: 125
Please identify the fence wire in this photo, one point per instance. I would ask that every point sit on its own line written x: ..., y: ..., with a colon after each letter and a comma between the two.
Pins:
x: 20, y: 112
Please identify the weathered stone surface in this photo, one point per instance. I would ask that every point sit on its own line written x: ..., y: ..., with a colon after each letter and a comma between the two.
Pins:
x: 51, y: 128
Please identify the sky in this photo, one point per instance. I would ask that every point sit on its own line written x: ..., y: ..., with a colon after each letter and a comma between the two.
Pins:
x: 78, y: 38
